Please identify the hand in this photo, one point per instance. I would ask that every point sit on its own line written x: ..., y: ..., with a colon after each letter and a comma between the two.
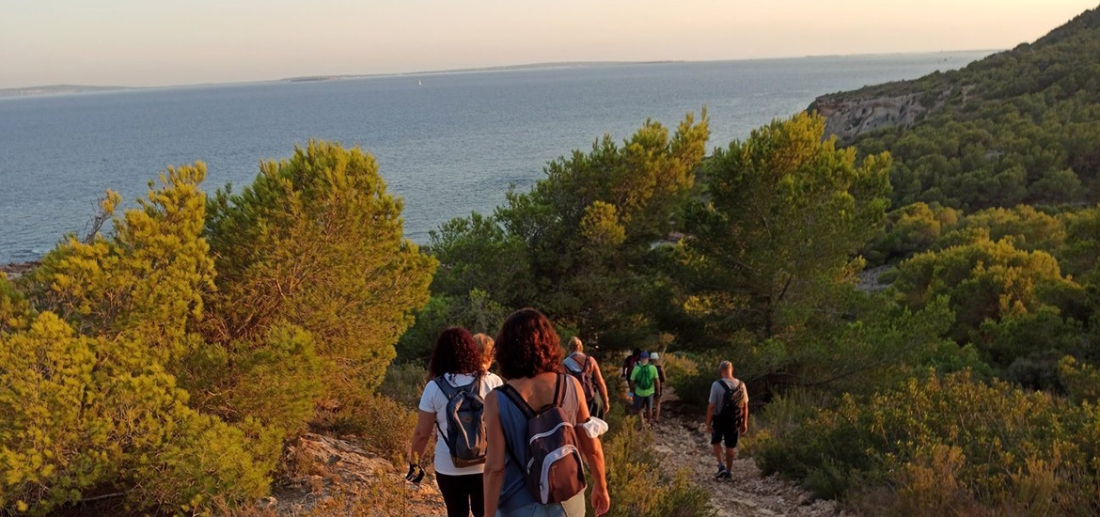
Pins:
x: 601, y: 501
x: 710, y: 428
x: 415, y: 474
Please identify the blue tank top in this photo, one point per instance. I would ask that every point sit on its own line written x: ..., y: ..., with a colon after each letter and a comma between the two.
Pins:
x: 514, y: 493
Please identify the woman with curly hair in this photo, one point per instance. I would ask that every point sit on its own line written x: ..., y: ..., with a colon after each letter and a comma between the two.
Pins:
x: 459, y: 361
x: 529, y: 354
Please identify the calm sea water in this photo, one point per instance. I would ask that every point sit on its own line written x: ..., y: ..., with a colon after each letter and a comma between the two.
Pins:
x: 448, y: 143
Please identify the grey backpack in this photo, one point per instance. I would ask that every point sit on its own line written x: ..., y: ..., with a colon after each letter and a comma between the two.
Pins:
x: 553, y: 471
x: 465, y: 436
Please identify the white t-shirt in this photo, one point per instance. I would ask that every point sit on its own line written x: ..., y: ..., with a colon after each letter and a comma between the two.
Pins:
x: 434, y: 401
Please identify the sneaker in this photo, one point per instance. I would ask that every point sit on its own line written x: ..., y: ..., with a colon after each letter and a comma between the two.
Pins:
x: 722, y: 473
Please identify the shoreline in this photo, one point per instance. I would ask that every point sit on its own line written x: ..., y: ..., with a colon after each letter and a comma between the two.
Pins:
x: 15, y: 270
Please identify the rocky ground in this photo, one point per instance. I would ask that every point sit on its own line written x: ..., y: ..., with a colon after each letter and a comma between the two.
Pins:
x: 15, y: 270
x: 326, y: 476
x: 332, y: 477
x: 684, y: 443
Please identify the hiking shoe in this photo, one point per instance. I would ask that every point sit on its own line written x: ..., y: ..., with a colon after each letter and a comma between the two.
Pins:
x: 722, y: 473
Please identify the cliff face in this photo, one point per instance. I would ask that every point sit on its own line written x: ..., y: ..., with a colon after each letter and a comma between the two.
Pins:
x: 848, y: 116
x: 851, y: 114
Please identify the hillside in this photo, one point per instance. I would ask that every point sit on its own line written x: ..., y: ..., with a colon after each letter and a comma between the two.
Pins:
x: 1020, y: 126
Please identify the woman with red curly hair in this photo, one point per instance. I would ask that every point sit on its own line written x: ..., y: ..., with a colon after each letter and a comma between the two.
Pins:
x: 458, y: 361
x: 529, y: 354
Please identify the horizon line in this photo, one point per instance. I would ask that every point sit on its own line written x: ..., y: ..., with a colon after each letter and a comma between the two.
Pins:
x: 11, y: 92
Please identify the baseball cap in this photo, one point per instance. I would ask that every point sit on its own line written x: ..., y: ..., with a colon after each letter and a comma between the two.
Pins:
x: 645, y: 355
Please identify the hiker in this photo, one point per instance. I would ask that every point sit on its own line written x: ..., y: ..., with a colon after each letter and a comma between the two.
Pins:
x: 587, y: 371
x: 629, y: 362
x: 655, y: 360
x: 727, y: 416
x: 453, y: 403
x: 526, y: 473
x: 644, y: 383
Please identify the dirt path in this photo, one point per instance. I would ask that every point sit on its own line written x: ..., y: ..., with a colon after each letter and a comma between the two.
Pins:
x: 683, y: 443
x: 334, y: 477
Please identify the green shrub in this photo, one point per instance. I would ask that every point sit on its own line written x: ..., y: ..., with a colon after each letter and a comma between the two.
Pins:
x: 933, y: 437
x: 384, y: 425
x: 404, y: 383
x: 125, y: 369
x: 639, y: 487
x: 316, y: 241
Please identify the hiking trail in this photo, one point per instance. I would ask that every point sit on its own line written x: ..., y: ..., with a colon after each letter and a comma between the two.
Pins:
x: 335, y: 477
x: 683, y: 442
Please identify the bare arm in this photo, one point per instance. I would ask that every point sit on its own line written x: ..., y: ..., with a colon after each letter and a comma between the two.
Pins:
x: 421, y: 434
x: 494, y: 455
x: 710, y: 417
x: 593, y: 455
x: 601, y: 385
x: 745, y: 412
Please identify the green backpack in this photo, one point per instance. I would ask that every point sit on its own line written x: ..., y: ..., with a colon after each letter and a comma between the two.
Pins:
x: 646, y: 375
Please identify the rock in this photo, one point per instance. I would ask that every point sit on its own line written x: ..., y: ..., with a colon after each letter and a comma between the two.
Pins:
x: 16, y: 270
x: 849, y: 117
x: 328, y: 476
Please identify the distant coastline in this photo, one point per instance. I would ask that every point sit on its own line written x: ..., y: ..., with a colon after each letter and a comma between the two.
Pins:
x: 58, y: 89
x: 505, y: 68
x: 70, y: 89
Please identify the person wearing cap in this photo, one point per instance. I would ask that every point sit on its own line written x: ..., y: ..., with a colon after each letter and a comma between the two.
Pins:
x: 655, y: 360
x: 644, y: 382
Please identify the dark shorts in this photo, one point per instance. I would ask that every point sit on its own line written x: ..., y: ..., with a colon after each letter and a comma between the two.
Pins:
x: 724, y: 431
x: 641, y: 403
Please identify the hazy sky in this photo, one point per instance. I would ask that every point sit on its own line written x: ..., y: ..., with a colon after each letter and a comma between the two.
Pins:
x: 164, y: 42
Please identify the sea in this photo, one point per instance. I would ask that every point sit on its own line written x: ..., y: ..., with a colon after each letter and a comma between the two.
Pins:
x: 448, y: 143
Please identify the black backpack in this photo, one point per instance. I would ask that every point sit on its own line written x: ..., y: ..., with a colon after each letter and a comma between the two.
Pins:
x: 464, y: 414
x: 553, y: 471
x: 730, y: 408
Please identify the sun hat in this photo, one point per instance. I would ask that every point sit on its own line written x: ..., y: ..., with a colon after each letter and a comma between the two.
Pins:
x: 654, y: 356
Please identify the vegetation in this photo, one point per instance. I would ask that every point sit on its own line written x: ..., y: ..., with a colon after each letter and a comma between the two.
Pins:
x: 1017, y: 127
x: 998, y: 417
x: 167, y: 362
x: 579, y: 245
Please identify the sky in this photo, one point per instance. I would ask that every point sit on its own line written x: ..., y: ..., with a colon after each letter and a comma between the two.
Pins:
x: 176, y: 42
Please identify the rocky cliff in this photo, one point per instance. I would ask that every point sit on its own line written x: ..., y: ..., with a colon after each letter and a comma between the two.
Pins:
x: 851, y: 114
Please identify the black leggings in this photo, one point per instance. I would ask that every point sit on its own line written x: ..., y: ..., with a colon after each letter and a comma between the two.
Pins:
x: 462, y: 494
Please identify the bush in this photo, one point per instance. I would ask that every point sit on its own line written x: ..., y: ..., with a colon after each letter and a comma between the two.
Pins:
x: 125, y: 370
x: 317, y: 242
x: 947, y: 438
x: 384, y: 425
x: 404, y: 383
x: 637, y: 484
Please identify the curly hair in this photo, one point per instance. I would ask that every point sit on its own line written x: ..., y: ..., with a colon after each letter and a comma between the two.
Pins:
x: 527, y: 345
x: 455, y: 352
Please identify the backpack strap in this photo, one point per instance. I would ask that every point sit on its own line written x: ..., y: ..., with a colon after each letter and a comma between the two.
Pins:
x: 448, y: 391
x: 559, y: 391
x: 528, y: 413
x: 582, y: 365
x: 517, y: 400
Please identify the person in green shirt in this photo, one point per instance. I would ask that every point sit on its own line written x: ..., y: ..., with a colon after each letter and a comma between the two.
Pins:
x: 644, y: 382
